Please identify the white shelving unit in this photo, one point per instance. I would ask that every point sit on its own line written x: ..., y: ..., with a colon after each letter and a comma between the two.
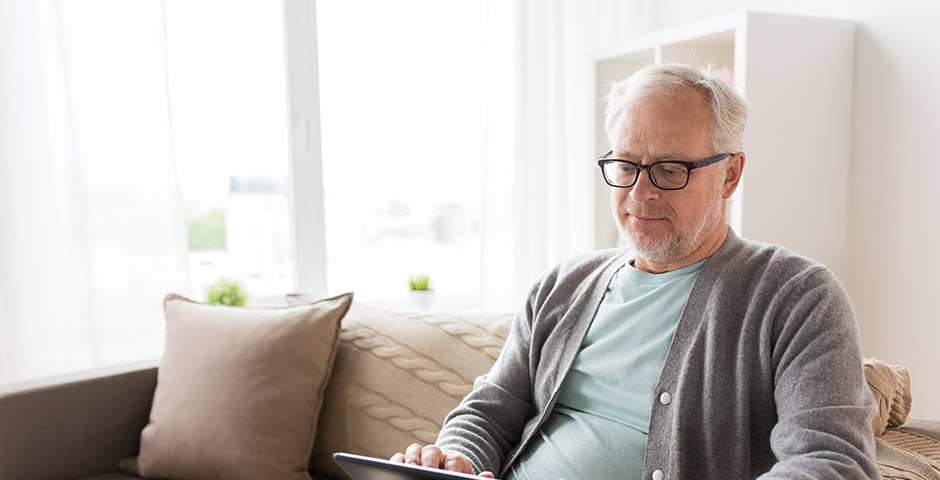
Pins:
x: 797, y: 74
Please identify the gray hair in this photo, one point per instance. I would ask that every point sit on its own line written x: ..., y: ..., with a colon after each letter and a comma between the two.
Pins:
x: 728, y: 107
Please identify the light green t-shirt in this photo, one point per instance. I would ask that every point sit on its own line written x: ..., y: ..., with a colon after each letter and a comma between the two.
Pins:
x: 598, y: 428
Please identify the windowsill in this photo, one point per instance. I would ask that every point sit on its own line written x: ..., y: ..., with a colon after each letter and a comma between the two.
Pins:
x: 437, y: 303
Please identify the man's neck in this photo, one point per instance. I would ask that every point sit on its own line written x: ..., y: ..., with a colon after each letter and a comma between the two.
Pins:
x: 705, y: 250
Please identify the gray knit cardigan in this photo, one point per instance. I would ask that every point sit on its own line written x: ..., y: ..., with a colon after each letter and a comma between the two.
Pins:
x: 764, y: 372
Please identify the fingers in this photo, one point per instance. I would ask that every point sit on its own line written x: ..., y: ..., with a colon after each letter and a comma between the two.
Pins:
x: 413, y: 454
x: 457, y: 463
x: 429, y: 456
x: 433, y: 457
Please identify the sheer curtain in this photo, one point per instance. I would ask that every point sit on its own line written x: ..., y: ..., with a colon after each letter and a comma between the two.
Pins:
x: 92, y: 232
x: 539, y: 185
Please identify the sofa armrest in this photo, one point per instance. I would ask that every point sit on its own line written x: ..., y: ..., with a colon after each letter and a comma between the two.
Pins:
x: 75, y: 425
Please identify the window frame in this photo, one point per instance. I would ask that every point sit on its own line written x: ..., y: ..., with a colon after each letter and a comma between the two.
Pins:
x: 305, y: 190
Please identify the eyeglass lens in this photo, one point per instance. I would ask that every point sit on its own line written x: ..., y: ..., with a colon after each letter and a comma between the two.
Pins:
x: 664, y: 174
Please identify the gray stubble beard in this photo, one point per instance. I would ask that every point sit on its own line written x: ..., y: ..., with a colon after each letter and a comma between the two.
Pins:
x: 679, y: 245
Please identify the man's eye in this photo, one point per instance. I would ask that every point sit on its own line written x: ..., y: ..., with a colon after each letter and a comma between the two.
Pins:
x: 670, y: 170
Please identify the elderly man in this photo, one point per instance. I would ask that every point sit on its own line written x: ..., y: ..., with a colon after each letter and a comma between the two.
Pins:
x: 694, y: 353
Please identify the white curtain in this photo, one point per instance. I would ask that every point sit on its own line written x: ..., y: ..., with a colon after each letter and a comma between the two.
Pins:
x: 539, y: 188
x: 92, y: 231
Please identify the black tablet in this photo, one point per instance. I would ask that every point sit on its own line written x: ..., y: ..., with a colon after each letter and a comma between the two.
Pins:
x: 359, y: 467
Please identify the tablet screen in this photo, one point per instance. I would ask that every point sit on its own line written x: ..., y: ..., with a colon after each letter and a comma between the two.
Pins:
x: 359, y: 467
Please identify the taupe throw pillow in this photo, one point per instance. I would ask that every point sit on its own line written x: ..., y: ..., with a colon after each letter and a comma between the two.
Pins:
x: 239, y: 391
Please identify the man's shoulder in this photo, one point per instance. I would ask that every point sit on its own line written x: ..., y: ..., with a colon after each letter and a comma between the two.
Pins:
x: 762, y: 252
x: 767, y: 280
x: 754, y: 261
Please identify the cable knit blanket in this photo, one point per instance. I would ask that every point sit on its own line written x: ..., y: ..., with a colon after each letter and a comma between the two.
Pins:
x: 900, y: 454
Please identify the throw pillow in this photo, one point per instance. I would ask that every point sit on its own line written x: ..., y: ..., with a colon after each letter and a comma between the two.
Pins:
x: 239, y: 390
x: 397, y: 375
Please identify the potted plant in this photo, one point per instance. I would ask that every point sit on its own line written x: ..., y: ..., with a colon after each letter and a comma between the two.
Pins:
x: 420, y: 294
x: 226, y: 291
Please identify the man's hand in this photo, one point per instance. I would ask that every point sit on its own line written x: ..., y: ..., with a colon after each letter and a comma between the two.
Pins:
x: 433, y: 457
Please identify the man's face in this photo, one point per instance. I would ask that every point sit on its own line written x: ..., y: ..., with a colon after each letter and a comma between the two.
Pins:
x: 669, y: 226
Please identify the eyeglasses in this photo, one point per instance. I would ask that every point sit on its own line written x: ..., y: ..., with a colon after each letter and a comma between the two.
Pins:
x: 667, y: 175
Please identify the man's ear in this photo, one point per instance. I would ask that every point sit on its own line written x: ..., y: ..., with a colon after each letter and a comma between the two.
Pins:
x: 733, y: 170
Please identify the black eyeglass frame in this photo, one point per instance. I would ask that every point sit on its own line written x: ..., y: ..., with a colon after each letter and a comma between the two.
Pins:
x: 689, y: 166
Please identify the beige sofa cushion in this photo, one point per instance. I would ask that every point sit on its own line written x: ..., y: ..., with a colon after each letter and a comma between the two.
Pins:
x: 890, y: 385
x: 239, y: 390
x: 901, y: 454
x: 397, y: 375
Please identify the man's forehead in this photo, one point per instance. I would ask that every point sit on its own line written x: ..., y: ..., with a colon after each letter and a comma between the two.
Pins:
x: 663, y: 127
x: 658, y: 141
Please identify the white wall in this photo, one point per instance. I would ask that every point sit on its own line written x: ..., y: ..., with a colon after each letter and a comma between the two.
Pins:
x: 894, y: 219
x: 895, y: 192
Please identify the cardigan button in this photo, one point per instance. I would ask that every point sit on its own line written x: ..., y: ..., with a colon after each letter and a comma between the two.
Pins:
x: 665, y: 398
x: 658, y: 475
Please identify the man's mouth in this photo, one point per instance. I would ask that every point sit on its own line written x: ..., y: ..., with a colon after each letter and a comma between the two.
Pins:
x: 644, y: 215
x: 639, y: 219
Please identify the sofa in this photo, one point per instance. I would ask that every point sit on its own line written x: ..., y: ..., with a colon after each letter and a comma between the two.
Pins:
x: 394, y: 375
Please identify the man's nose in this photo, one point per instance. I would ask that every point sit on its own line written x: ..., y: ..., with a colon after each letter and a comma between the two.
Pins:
x: 644, y: 190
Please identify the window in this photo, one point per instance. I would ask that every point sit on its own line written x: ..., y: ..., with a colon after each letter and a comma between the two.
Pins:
x: 167, y: 148
x: 403, y: 113
x: 136, y: 121
x: 229, y: 105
